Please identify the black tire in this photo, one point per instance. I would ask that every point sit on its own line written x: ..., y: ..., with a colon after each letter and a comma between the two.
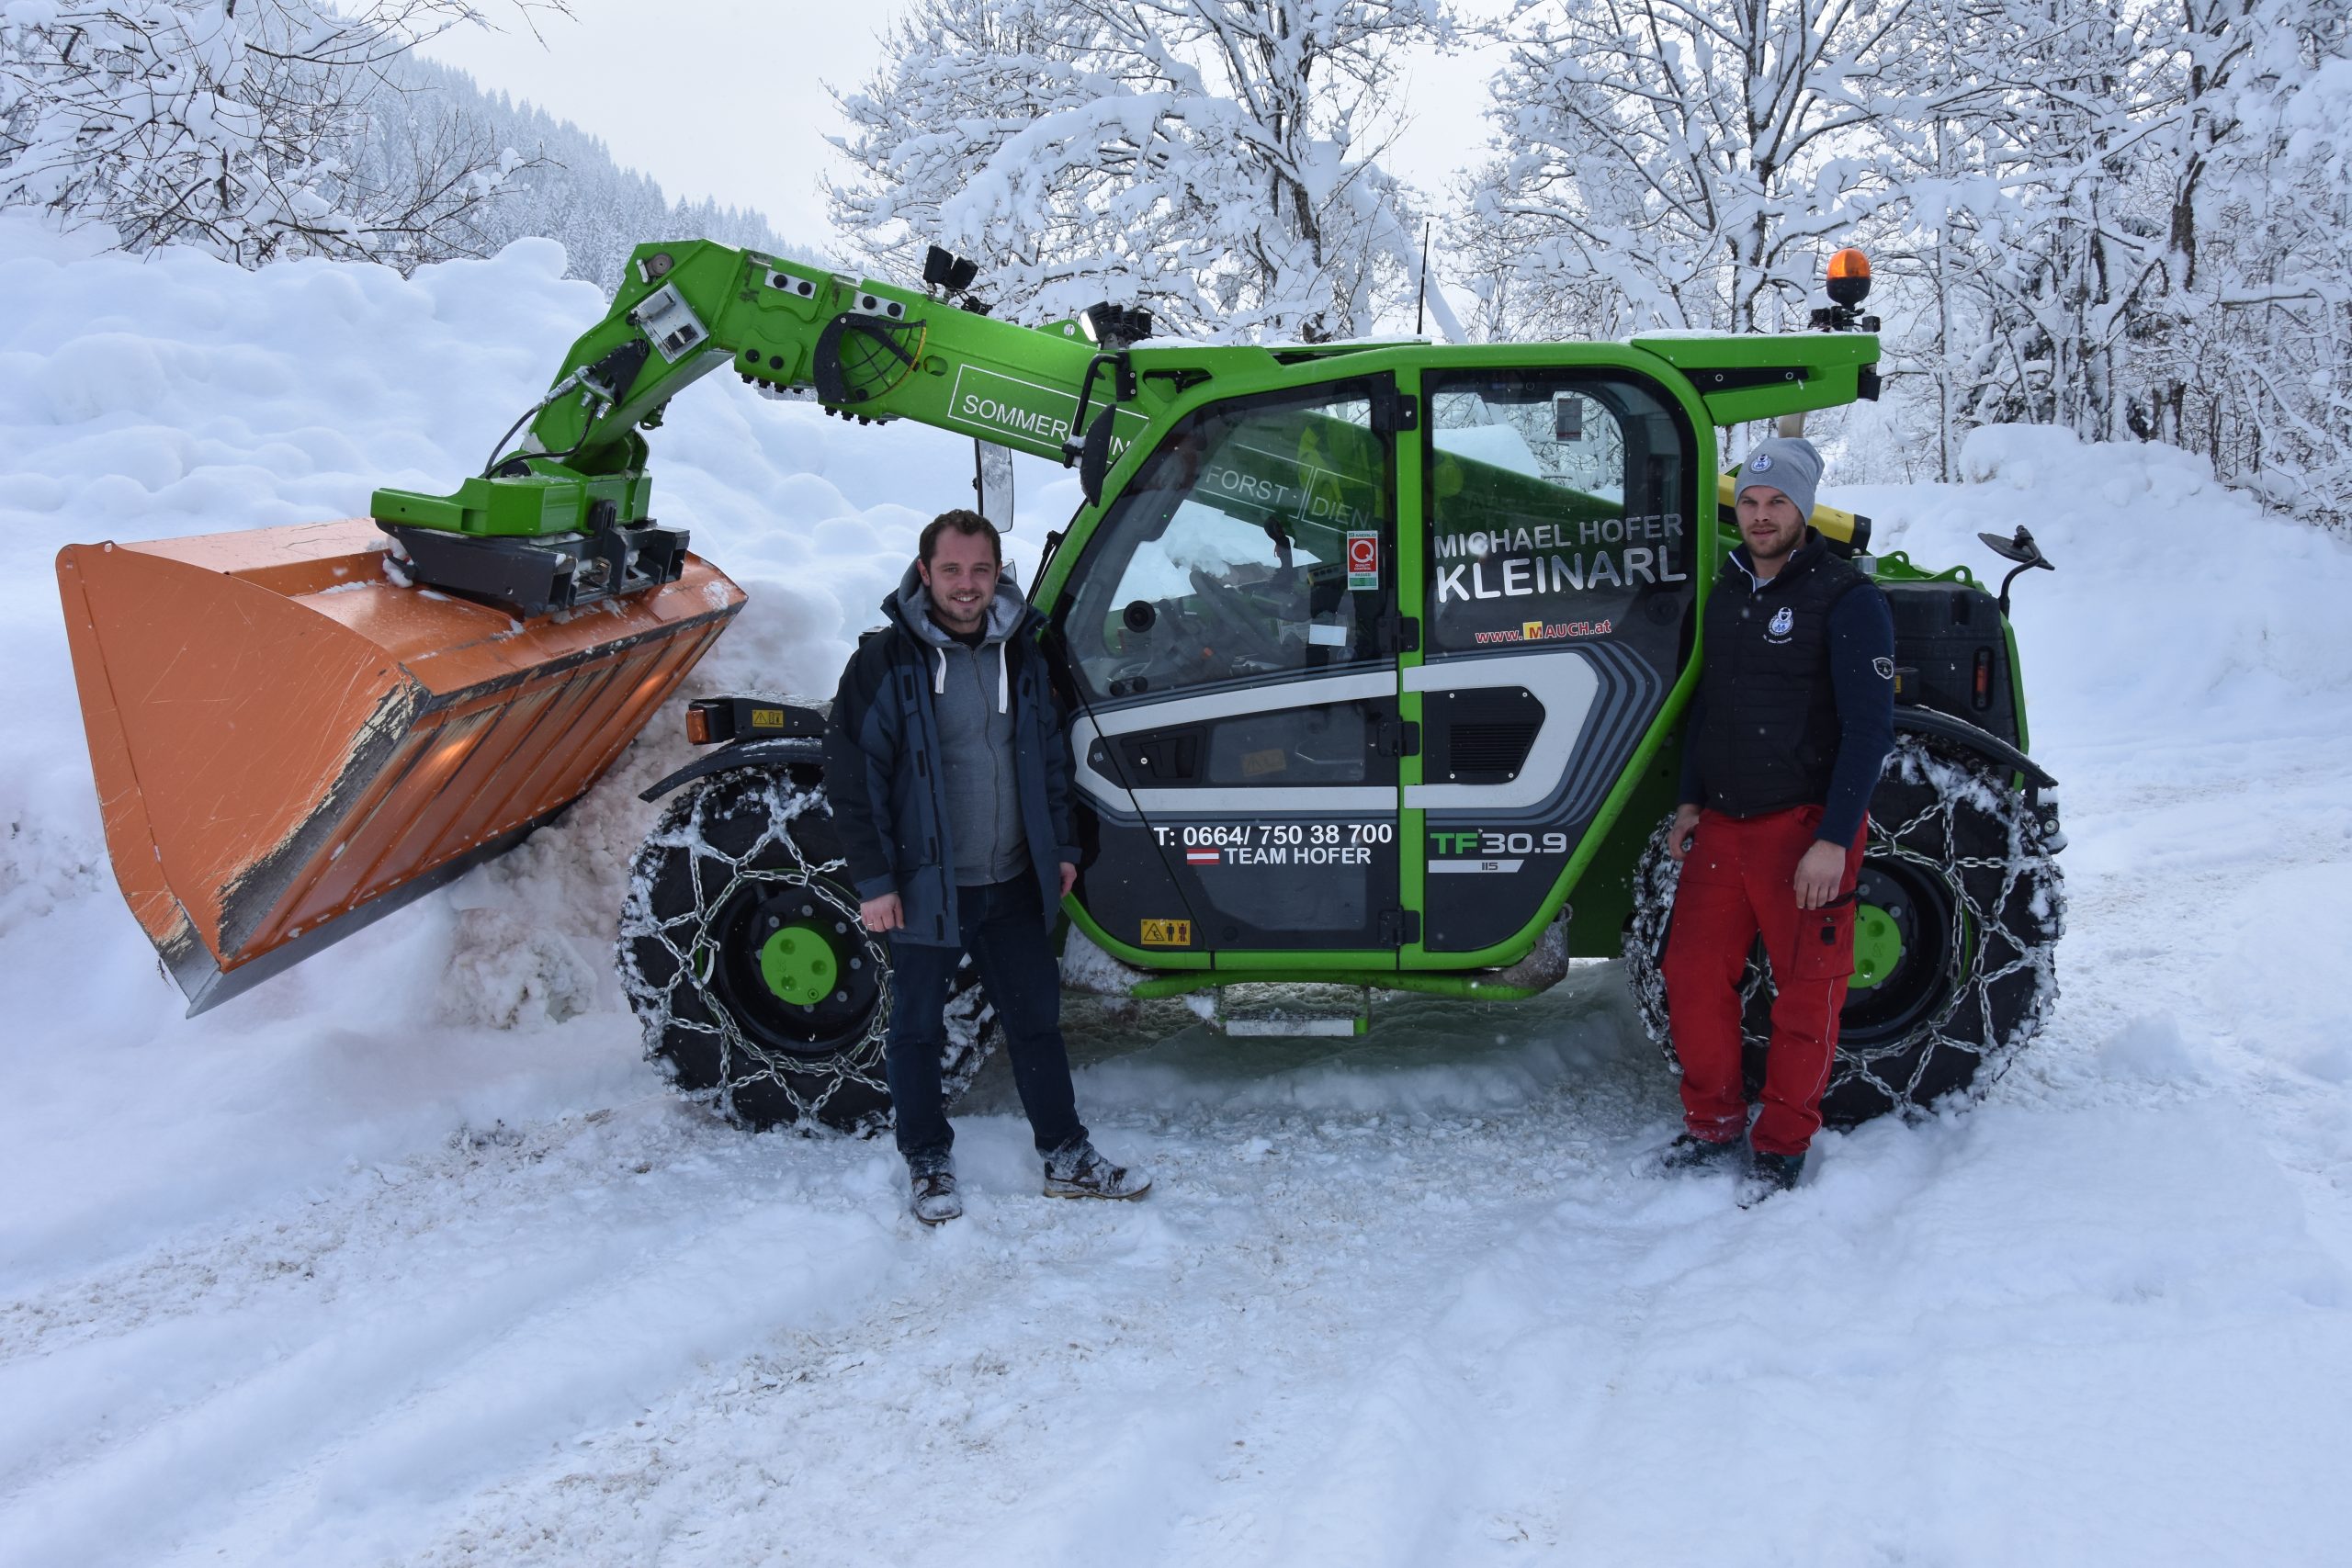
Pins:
x: 1964, y: 873
x: 738, y: 859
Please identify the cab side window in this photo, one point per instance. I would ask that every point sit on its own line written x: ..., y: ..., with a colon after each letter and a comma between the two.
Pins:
x: 1558, y: 511
x: 1256, y: 545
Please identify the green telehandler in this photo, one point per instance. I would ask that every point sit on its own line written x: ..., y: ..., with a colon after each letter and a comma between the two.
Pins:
x: 1372, y: 655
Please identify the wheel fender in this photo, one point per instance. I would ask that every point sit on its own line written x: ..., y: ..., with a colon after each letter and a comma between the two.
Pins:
x: 771, y: 752
x: 1984, y: 742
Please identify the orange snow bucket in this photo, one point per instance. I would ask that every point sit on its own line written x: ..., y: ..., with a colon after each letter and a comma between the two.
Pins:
x: 287, y: 745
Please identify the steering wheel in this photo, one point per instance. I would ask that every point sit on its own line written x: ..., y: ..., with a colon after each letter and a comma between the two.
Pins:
x: 1243, y: 636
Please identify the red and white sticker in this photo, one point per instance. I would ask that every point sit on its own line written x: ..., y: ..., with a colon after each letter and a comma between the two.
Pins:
x: 1203, y: 857
x: 1363, y: 560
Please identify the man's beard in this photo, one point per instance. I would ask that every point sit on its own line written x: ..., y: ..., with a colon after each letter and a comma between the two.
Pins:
x: 960, y: 621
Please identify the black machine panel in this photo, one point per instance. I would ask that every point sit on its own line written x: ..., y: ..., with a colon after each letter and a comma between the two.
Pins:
x: 1264, y: 854
x: 1480, y: 735
x: 1951, y: 654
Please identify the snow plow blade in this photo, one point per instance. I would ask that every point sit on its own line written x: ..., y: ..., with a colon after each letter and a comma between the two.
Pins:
x: 287, y: 745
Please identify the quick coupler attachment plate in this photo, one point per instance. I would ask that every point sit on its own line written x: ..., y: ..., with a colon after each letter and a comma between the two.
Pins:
x: 536, y: 576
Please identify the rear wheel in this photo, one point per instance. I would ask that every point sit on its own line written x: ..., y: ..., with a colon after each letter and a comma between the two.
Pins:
x: 756, y: 983
x: 1959, y: 910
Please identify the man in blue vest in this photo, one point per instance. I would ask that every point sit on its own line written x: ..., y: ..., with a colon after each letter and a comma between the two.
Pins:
x: 1793, y: 718
x: 949, y: 774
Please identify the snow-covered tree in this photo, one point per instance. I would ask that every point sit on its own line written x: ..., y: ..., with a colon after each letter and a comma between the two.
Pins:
x: 2132, y: 217
x: 226, y: 124
x: 1679, y: 162
x: 965, y: 88
x: 2241, y: 339
x: 2029, y: 186
x: 1217, y: 160
x: 2278, y: 416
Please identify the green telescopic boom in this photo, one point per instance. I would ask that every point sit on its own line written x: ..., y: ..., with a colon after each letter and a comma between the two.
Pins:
x: 868, y: 350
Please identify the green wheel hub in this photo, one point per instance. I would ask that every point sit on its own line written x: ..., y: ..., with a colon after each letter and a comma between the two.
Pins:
x: 1878, y: 946
x: 798, y: 963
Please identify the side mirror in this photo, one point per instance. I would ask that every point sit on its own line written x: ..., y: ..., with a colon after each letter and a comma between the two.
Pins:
x: 1094, y: 457
x: 2020, y: 550
x: 992, y: 483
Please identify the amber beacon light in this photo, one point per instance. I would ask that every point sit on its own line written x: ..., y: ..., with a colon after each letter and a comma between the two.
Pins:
x: 1849, y: 276
x: 1849, y: 284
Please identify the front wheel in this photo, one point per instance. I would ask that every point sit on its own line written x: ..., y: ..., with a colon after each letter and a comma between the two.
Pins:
x: 756, y: 983
x: 1958, y: 907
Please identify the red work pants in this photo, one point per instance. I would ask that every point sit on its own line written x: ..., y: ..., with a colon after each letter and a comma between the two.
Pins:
x: 1739, y: 882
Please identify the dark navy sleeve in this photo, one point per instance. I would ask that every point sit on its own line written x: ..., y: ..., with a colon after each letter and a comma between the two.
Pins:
x: 1861, y: 677
x: 861, y: 751
x: 1059, y: 766
x: 1694, y: 788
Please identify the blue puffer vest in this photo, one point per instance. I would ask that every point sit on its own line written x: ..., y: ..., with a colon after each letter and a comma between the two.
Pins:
x: 1767, y: 734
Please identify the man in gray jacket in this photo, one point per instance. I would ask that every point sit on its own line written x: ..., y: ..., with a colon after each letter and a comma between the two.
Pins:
x: 949, y: 774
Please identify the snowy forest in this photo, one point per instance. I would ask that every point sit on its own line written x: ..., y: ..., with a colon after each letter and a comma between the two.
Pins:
x: 2125, y: 218
x: 277, y: 129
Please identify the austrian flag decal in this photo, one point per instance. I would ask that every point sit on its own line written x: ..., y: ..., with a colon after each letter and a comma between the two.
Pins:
x: 1201, y: 857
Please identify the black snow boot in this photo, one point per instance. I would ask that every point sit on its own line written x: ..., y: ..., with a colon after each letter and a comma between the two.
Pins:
x: 935, y: 1202
x: 1077, y: 1171
x: 1769, y: 1174
x: 1689, y: 1152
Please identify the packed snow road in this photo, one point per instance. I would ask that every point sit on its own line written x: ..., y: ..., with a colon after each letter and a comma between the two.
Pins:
x: 1407, y: 1305
x: 408, y: 1257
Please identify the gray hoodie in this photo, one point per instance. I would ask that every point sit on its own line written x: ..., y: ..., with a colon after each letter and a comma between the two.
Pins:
x: 972, y: 695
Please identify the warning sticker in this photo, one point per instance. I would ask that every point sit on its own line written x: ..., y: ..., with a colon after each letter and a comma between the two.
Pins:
x: 1167, y: 934
x: 1363, y: 560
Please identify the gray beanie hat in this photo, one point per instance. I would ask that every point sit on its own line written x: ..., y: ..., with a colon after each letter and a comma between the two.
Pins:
x: 1790, y: 465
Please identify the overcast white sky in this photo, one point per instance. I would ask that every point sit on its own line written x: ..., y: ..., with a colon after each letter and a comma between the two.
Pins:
x: 725, y: 98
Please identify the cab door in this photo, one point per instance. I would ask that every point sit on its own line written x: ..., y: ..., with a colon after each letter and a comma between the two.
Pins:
x: 1560, y: 529
x: 1230, y: 631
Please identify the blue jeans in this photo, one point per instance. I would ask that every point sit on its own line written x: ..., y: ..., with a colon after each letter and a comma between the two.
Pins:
x: 1003, y: 928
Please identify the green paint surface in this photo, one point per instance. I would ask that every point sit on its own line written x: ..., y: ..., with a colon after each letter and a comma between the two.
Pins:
x: 799, y: 965
x: 1878, y: 946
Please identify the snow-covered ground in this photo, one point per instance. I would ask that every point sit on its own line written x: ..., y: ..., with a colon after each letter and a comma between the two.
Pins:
x: 407, y: 1257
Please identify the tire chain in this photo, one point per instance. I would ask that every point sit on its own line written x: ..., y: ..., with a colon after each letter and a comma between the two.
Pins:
x: 2030, y: 862
x: 743, y: 1061
x: 2030, y: 866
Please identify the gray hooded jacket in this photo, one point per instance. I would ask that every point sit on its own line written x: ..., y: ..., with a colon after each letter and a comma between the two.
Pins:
x: 971, y: 695
x: 921, y: 732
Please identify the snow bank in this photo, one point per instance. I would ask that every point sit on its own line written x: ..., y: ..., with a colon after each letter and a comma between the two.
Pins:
x: 176, y: 395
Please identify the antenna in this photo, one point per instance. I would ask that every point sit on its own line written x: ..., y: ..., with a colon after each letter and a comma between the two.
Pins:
x: 1421, y: 296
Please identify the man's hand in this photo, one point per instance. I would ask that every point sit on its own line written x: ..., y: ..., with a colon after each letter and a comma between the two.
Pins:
x: 1069, y: 878
x: 883, y: 914
x: 1677, y: 837
x: 1818, y: 874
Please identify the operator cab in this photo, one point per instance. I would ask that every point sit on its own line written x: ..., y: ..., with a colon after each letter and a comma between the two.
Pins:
x: 1317, y: 711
